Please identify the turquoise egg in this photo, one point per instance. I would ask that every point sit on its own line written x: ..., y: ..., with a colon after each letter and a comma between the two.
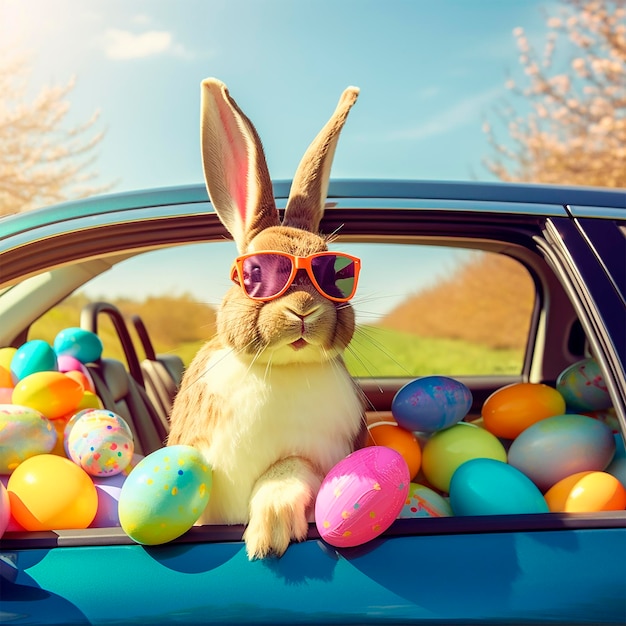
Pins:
x: 24, y: 432
x: 562, y: 445
x: 164, y: 495
x: 431, y: 403
x: 32, y: 357
x: 583, y: 387
x: 490, y: 487
x: 79, y: 343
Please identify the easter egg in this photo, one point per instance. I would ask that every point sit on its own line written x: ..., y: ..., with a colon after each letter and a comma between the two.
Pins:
x: 617, y: 467
x: 361, y: 496
x: 446, y: 450
x: 6, y: 380
x: 24, y: 432
x: 52, y: 393
x: 68, y: 363
x: 6, y: 356
x: 608, y: 416
x: 401, y: 440
x: 49, y: 492
x: 5, y: 509
x: 89, y: 401
x: 79, y: 343
x: 101, y: 442
x: 583, y: 387
x: 33, y: 356
x: 431, y: 403
x: 164, y: 495
x: 421, y: 501
x: 85, y: 380
x: 560, y: 446
x: 490, y: 487
x: 109, y: 489
x: 511, y: 409
x: 587, y: 492
x: 6, y: 395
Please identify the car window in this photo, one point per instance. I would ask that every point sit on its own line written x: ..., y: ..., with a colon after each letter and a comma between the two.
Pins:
x: 439, y: 310
x: 420, y: 309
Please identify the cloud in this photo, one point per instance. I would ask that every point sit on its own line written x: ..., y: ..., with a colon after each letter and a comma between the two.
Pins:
x: 449, y: 118
x: 122, y: 44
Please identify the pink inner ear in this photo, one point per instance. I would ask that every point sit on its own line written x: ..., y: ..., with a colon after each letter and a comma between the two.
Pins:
x: 235, y: 159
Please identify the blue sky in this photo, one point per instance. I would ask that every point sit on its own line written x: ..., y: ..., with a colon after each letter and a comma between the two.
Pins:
x: 429, y: 72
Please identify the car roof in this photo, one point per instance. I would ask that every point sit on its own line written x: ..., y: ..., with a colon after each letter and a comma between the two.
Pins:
x: 550, y: 199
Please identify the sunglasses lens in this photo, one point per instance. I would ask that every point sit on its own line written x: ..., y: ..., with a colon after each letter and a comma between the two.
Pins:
x: 335, y: 274
x: 265, y: 275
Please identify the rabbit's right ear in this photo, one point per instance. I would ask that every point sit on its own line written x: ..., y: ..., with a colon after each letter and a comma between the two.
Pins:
x: 235, y: 169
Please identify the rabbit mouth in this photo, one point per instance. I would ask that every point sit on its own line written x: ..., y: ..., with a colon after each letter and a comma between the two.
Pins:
x: 299, y: 344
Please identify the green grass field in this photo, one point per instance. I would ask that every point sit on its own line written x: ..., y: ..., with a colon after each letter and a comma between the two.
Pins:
x: 380, y: 352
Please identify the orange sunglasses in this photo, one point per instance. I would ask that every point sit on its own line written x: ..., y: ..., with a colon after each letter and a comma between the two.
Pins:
x: 267, y: 275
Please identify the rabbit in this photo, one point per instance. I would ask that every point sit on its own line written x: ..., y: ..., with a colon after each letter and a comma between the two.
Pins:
x: 269, y: 401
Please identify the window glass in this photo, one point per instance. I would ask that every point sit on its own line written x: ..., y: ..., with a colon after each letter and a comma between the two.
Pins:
x: 439, y: 310
x: 420, y: 309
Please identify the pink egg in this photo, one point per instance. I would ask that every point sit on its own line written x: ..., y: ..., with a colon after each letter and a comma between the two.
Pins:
x: 361, y: 496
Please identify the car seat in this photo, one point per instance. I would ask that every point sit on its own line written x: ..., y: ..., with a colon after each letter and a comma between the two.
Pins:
x: 120, y: 390
x: 162, y: 373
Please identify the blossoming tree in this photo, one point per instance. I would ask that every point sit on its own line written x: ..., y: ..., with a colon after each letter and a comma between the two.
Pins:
x: 573, y: 130
x: 42, y: 159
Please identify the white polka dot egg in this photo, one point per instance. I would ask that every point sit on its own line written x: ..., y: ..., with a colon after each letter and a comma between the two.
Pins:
x: 164, y: 495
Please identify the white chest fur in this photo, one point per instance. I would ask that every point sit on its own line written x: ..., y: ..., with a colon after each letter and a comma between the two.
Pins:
x: 270, y: 413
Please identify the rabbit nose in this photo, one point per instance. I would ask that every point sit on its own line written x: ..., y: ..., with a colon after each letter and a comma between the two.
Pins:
x: 303, y: 314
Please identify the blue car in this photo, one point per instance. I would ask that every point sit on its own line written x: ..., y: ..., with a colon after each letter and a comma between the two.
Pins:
x: 491, y: 285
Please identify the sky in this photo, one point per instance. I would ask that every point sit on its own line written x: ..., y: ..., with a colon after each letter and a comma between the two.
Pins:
x: 430, y: 73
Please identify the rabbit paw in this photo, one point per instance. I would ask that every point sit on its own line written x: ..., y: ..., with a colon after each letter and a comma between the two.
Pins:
x: 279, y: 508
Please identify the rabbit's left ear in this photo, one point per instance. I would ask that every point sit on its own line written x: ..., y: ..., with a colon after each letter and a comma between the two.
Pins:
x: 309, y: 188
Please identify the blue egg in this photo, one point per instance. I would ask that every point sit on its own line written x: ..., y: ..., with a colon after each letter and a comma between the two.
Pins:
x: 32, y: 357
x: 583, y: 387
x: 79, y: 343
x: 562, y: 445
x: 490, y: 487
x: 431, y: 403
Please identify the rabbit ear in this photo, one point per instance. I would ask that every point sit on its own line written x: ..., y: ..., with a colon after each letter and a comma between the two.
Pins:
x: 235, y: 169
x: 307, y: 197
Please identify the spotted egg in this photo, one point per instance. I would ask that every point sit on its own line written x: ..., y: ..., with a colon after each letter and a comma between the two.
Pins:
x: 361, y: 496
x: 24, y: 432
x: 100, y: 441
x: 583, y: 386
x: 164, y: 495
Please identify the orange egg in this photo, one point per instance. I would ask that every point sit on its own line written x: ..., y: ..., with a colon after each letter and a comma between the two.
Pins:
x: 5, y: 377
x: 587, y: 492
x: 401, y: 440
x: 512, y: 409
x: 82, y: 378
